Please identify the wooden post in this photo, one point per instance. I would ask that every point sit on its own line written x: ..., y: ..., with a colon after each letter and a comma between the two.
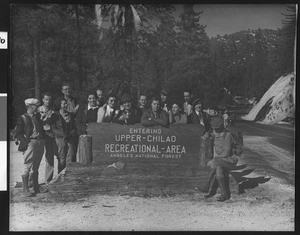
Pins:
x: 84, y: 152
x: 206, y: 152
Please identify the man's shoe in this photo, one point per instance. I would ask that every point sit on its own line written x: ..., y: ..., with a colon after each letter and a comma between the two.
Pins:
x: 223, y: 198
x: 213, y: 189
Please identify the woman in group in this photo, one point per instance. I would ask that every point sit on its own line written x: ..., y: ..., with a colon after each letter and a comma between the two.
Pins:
x: 176, y: 116
x: 64, y: 131
x: 86, y: 114
x: 108, y: 111
x: 129, y: 114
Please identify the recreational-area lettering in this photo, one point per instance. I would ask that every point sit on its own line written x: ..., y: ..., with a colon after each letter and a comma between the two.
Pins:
x: 145, y: 143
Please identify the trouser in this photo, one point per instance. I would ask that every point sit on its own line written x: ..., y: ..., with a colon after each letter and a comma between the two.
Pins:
x: 33, y: 156
x: 66, y: 152
x: 221, y: 164
x: 49, y: 159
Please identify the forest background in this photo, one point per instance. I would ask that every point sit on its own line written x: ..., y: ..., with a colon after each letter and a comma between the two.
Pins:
x: 53, y: 44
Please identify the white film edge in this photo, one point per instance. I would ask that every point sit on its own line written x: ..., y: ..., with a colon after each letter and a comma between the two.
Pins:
x: 3, y: 40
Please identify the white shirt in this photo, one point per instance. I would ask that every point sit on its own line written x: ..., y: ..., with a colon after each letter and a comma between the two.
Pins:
x: 89, y: 107
x: 109, y: 111
x: 201, y: 119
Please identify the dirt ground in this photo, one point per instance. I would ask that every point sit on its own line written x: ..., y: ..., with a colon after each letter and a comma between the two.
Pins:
x: 266, y: 206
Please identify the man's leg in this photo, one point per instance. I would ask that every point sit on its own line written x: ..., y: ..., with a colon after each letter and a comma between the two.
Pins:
x: 38, y: 155
x: 61, y: 153
x: 49, y: 160
x: 71, y: 152
x: 28, y: 162
x: 221, y: 181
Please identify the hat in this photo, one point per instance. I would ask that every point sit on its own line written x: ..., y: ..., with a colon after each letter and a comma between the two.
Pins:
x: 197, y: 101
x: 217, y: 123
x: 32, y: 101
x: 126, y: 97
x: 164, y: 92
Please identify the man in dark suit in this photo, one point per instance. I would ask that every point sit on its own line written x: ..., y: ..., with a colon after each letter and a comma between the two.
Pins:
x: 199, y: 117
x: 86, y: 114
x: 31, y: 135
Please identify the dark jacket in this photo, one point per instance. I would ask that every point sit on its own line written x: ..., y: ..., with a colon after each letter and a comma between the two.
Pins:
x: 24, y: 130
x: 64, y: 130
x: 133, y: 117
x: 194, y: 119
x: 81, y: 120
x: 161, y: 120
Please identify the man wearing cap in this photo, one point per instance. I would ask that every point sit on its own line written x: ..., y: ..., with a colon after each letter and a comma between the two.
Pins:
x: 164, y: 103
x: 86, y: 114
x: 31, y: 135
x: 128, y: 115
x: 223, y: 160
x: 155, y: 116
x: 108, y: 111
x: 46, y: 113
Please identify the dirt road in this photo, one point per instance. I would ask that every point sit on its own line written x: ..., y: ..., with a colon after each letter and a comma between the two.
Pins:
x: 267, y: 203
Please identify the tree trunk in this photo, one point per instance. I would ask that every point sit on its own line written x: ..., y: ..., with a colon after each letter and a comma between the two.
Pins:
x: 128, y: 35
x: 36, y: 60
x: 79, y: 50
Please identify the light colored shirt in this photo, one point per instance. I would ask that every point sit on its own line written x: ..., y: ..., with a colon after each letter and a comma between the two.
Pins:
x: 109, y: 111
x: 223, y: 145
x: 90, y: 107
x: 200, y: 118
x: 187, y: 108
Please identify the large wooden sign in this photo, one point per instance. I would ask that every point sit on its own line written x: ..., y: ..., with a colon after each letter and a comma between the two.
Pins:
x: 135, y: 143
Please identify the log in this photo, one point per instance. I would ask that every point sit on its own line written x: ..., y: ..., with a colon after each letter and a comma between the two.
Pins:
x: 84, y: 151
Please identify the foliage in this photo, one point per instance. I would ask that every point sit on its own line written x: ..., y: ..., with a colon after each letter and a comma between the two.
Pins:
x: 53, y: 44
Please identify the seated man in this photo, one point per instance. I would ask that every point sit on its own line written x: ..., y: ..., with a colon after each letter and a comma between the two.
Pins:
x: 86, y: 114
x: 155, y: 116
x: 176, y: 116
x: 108, y: 111
x: 129, y: 115
x: 223, y: 159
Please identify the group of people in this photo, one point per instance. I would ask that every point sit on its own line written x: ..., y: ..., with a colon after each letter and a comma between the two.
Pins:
x: 55, y: 128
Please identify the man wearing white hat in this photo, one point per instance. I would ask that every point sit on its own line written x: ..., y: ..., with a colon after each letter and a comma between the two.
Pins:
x: 31, y: 134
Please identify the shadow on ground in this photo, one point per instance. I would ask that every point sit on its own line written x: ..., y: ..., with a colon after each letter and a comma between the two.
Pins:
x: 247, y: 182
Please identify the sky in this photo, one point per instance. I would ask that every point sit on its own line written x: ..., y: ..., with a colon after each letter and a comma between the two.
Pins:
x: 229, y: 18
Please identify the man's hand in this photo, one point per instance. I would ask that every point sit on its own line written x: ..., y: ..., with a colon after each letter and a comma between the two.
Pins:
x: 76, y: 108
